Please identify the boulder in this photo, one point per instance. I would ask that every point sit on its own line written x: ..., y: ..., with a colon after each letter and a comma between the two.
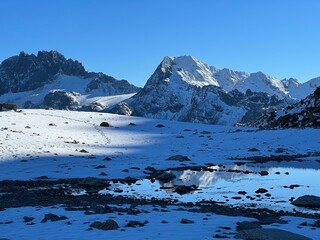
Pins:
x: 52, y: 217
x: 134, y: 224
x: 186, y: 221
x: 105, y: 124
x: 307, y: 201
x: 107, y: 225
x: 184, y: 189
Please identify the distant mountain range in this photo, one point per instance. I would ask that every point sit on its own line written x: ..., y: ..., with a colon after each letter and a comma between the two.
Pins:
x: 181, y: 88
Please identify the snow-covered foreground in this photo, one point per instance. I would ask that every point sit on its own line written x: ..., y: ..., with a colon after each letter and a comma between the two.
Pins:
x: 68, y: 144
x: 30, y: 147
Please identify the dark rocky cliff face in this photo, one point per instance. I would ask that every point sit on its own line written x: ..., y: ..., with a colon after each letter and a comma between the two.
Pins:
x: 28, y: 72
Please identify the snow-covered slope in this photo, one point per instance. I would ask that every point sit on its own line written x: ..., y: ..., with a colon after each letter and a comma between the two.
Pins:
x: 43, y: 147
x: 48, y: 79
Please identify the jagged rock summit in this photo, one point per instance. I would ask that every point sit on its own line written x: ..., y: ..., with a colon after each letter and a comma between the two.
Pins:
x: 48, y: 79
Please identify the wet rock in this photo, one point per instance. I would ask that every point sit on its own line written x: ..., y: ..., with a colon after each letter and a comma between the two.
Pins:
x: 292, y: 186
x: 105, y: 124
x: 166, y: 177
x: 242, y: 192
x: 184, y: 189
x: 186, y: 221
x: 52, y: 217
x: 307, y: 201
x: 107, y: 225
x: 269, y: 234
x: 261, y: 190
x: 264, y: 173
x: 247, y: 225
x: 236, y: 198
x: 179, y: 158
x: 134, y: 224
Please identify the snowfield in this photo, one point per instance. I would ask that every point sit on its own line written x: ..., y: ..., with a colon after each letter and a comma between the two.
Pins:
x: 70, y: 144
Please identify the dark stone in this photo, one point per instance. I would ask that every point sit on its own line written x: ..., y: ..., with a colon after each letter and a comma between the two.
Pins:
x: 242, y: 192
x: 105, y: 124
x: 107, y: 225
x: 52, y: 217
x: 160, y: 126
x: 307, y: 201
x: 184, y: 189
x: 186, y: 221
x: 134, y: 224
x: 261, y: 190
x: 264, y: 173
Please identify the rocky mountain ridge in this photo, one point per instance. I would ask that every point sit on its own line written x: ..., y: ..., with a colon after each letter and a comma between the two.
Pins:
x: 305, y: 113
x: 48, y: 79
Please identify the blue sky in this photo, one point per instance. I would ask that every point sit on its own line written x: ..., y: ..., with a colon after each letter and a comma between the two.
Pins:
x: 127, y: 39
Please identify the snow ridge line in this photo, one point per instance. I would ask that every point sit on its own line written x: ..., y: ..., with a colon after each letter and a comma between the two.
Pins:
x: 95, y: 126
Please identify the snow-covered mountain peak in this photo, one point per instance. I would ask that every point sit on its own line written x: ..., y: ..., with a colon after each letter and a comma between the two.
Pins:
x: 228, y: 78
x: 192, y: 71
x: 261, y: 82
x: 290, y: 82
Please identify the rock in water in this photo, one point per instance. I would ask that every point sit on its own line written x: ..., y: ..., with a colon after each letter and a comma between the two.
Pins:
x: 307, y: 201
